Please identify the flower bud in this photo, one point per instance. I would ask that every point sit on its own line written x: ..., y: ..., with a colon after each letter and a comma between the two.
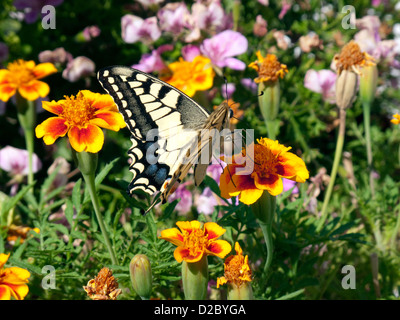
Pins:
x: 243, y: 292
x: 85, y: 161
x: 195, y: 279
x: 368, y: 82
x: 346, y: 88
x: 141, y: 276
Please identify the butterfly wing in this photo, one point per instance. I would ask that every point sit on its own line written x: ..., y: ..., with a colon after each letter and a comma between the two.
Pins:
x: 162, y: 120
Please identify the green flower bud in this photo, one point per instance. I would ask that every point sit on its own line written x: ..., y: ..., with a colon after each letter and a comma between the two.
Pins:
x: 243, y: 292
x: 195, y: 279
x: 368, y: 83
x: 141, y: 276
x: 269, y: 100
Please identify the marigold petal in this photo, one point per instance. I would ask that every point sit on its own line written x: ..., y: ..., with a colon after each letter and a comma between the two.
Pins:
x: 3, y: 259
x: 7, y: 91
x: 293, y: 167
x: 250, y: 196
x: 51, y: 129
x: 188, y: 226
x: 100, y: 101
x: 109, y: 120
x: 172, y: 235
x: 219, y: 248
x: 34, y: 89
x: 15, y: 276
x: 19, y: 292
x: 221, y: 281
x: 5, y: 292
x: 90, y: 139
x: 44, y: 69
x: 181, y: 253
x: 213, y: 230
x: 53, y: 106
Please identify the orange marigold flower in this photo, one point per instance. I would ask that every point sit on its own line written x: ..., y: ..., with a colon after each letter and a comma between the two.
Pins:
x: 351, y: 58
x: 23, y: 76
x: 103, y: 287
x: 14, y: 232
x: 271, y: 163
x: 236, y: 269
x: 396, y: 119
x: 193, y: 242
x: 191, y: 76
x: 13, y: 281
x: 81, y: 117
x: 268, y: 68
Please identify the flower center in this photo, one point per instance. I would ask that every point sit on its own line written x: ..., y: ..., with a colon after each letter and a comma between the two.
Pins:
x: 271, y: 68
x: 20, y: 73
x: 351, y: 56
x: 264, y: 161
x: 196, y: 241
x: 237, y: 270
x: 78, y: 110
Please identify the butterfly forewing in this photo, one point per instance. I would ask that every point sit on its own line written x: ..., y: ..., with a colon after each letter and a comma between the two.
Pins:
x: 165, y: 126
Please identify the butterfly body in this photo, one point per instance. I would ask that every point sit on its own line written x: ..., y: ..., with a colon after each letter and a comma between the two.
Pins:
x: 169, y: 130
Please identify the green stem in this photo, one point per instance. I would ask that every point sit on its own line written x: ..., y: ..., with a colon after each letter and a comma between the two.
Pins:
x: 336, y: 161
x: 266, y: 229
x: 367, y: 126
x: 27, y: 120
x: 89, y: 179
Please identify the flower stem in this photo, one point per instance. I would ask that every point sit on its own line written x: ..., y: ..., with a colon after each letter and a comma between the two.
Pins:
x: 27, y: 120
x: 367, y: 125
x: 89, y: 179
x: 336, y: 161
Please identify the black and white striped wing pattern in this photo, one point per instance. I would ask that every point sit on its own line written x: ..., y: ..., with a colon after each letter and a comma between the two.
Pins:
x: 162, y: 120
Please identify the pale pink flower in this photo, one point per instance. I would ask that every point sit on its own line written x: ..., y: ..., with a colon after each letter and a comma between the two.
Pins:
x: 310, y: 41
x: 190, y: 51
x: 289, y: 184
x: 282, y: 40
x: 150, y: 3
x: 173, y: 17
x: 323, y: 82
x: 80, y: 67
x: 264, y: 2
x: 136, y: 29
x: 221, y: 49
x: 184, y: 196
x: 260, y: 26
x: 56, y: 56
x: 210, y: 17
x: 285, y: 8
x: 153, y: 61
x: 91, y: 32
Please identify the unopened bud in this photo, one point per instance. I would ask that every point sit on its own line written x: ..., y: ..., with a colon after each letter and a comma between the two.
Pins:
x: 141, y: 276
x: 243, y: 292
x: 195, y: 279
x: 368, y: 82
x: 346, y: 88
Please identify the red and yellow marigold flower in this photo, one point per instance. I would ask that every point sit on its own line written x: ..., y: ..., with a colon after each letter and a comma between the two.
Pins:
x: 193, y: 242
x: 191, y: 76
x: 236, y: 269
x: 396, y: 119
x: 268, y: 68
x: 13, y: 281
x: 272, y: 161
x: 23, y: 76
x: 81, y: 117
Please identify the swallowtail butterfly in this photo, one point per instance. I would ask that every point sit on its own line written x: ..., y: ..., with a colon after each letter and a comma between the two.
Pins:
x: 166, y: 126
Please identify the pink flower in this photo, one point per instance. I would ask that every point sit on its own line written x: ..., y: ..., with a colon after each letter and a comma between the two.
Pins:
x: 91, y: 32
x: 223, y: 47
x: 136, y: 29
x: 289, y: 184
x: 173, y: 17
x: 210, y: 17
x: 57, y: 56
x: 153, y: 61
x: 149, y: 3
x: 78, y: 68
x: 264, y: 2
x: 260, y: 26
x: 15, y: 161
x: 322, y: 81
x: 206, y: 202
x: 285, y: 8
x: 249, y: 84
x: 184, y: 196
x: 190, y: 51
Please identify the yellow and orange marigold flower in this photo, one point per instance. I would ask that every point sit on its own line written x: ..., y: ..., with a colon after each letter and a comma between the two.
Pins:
x: 103, y: 287
x: 191, y: 76
x: 268, y: 68
x: 272, y: 161
x: 13, y: 281
x: 236, y: 269
x: 352, y: 59
x: 193, y: 242
x: 23, y: 76
x: 81, y: 117
x: 14, y: 232
x: 396, y: 119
